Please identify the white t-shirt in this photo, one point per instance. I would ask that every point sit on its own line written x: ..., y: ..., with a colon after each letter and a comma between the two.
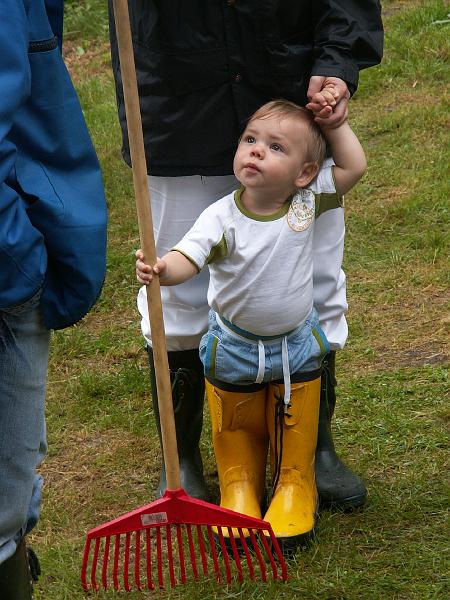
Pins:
x: 260, y: 265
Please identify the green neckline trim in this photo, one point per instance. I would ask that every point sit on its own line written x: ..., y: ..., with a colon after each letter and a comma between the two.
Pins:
x: 251, y: 215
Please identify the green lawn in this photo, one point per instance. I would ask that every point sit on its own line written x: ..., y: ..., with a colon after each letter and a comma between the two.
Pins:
x: 392, y: 413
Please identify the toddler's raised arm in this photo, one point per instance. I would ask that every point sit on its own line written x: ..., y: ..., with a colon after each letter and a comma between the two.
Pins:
x: 348, y: 155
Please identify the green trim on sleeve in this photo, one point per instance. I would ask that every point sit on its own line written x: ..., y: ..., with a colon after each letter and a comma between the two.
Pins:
x: 325, y: 201
x: 328, y: 200
x: 186, y: 256
x: 218, y: 251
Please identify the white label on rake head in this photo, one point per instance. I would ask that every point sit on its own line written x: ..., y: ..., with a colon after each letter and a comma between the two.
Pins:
x: 154, y: 518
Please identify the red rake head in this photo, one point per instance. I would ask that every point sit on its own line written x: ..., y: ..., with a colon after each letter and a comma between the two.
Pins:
x: 145, y: 548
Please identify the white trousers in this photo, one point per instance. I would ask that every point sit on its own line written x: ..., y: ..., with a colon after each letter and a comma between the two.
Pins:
x: 176, y: 204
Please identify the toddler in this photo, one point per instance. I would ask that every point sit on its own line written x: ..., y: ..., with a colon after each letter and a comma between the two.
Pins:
x: 263, y: 349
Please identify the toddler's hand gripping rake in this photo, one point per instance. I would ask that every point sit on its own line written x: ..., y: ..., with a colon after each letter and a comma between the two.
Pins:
x: 129, y: 551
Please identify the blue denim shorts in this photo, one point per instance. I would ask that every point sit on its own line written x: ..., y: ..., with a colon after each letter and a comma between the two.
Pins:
x: 232, y: 358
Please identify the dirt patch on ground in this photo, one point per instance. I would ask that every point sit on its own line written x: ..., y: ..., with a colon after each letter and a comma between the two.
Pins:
x: 87, y: 466
x: 412, y: 331
x: 418, y: 357
x: 392, y: 8
x: 93, y: 57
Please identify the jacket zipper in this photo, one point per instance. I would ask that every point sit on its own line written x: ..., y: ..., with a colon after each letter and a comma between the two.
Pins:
x: 43, y: 46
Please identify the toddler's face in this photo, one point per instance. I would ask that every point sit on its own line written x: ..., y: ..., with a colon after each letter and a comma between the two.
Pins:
x: 271, y: 154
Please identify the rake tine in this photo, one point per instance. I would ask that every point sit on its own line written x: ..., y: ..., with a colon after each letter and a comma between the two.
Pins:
x: 192, y: 552
x: 213, y: 552
x: 137, y: 561
x: 116, y: 562
x: 87, y: 547
x: 159, y: 557
x: 94, y: 565
x: 224, y: 554
x: 126, y: 562
x: 251, y: 571
x: 148, y: 553
x: 202, y: 549
x: 263, y: 539
x: 170, y: 555
x: 235, y: 554
x: 282, y: 562
x: 258, y: 555
x: 105, y: 563
x: 181, y: 554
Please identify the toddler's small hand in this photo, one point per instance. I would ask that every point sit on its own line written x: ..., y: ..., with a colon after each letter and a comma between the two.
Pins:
x: 322, y: 103
x: 329, y: 112
x: 144, y: 272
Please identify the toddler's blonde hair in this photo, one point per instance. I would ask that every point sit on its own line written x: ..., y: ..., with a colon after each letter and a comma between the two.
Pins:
x: 316, y: 146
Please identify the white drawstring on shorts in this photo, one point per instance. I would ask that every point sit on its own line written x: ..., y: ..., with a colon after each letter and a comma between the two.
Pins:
x: 262, y: 356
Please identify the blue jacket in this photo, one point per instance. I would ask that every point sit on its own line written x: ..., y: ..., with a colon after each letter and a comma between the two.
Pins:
x: 52, y: 204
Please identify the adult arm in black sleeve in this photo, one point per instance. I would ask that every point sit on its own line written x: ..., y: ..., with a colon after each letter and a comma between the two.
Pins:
x: 348, y: 37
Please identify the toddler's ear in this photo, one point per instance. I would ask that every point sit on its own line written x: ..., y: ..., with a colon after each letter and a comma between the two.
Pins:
x: 307, y: 174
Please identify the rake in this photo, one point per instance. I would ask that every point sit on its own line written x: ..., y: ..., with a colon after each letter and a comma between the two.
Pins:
x: 177, y: 538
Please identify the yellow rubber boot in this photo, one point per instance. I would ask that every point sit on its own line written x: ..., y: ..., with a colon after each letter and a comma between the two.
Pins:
x: 240, y: 443
x: 293, y: 437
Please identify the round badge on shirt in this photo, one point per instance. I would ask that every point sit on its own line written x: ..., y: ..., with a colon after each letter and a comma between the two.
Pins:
x: 302, y: 210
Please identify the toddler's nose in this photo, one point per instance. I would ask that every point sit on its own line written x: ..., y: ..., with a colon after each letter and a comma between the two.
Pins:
x: 257, y: 151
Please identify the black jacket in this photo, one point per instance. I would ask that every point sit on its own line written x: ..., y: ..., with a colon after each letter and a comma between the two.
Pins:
x: 204, y: 66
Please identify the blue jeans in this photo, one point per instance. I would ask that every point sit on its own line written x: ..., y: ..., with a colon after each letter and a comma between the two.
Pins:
x: 24, y: 346
x: 234, y: 359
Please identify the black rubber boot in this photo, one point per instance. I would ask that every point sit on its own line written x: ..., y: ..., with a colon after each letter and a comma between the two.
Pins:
x: 337, y: 486
x: 188, y: 395
x: 15, y: 575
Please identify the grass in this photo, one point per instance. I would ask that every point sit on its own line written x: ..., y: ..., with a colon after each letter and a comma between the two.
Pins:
x: 392, y: 411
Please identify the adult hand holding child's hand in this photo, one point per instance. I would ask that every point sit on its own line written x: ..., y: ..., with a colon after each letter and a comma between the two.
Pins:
x: 328, y: 100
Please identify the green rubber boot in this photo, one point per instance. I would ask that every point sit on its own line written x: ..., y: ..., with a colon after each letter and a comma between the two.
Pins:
x: 15, y: 574
x: 338, y: 487
x: 188, y: 395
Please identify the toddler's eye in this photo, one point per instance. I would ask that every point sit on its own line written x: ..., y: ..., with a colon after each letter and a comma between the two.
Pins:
x: 277, y: 147
x: 249, y: 139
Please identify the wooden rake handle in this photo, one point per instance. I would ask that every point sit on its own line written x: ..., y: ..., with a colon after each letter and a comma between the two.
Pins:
x: 145, y: 222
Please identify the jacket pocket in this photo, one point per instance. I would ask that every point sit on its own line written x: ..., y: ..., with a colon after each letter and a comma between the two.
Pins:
x: 48, y: 74
x: 288, y: 67
x: 176, y: 73
x: 289, y: 58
